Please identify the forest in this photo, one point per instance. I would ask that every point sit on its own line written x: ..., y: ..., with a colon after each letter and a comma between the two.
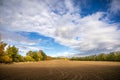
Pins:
x: 11, y: 54
x: 112, y: 56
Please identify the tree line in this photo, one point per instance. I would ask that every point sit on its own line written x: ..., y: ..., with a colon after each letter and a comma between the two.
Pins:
x: 10, y: 54
x: 112, y: 56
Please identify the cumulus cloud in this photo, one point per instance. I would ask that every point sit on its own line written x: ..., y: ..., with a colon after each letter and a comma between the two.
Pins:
x: 61, y: 20
x: 90, y: 34
x: 16, y: 37
x: 115, y: 7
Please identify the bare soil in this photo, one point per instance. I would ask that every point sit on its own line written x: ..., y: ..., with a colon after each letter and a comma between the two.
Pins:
x: 61, y: 70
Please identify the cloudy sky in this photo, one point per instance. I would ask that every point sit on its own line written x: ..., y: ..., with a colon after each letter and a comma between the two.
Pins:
x: 61, y: 27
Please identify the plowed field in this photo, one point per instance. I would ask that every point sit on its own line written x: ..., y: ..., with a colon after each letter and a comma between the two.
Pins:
x: 61, y: 70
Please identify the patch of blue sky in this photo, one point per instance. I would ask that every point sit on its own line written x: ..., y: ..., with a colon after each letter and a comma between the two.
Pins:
x: 89, y: 7
x: 48, y: 44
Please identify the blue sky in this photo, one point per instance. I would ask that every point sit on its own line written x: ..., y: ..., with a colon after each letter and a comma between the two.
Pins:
x: 61, y: 27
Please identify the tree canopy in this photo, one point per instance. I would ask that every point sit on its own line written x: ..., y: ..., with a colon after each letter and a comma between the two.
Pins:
x: 11, y: 54
x: 112, y: 56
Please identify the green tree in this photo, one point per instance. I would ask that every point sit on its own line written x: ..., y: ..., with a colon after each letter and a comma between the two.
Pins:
x: 6, y: 59
x: 34, y: 55
x: 40, y: 56
x: 37, y: 56
x: 2, y: 48
x: 2, y: 51
x: 29, y: 58
x: 102, y: 57
x: 117, y: 56
x: 30, y: 53
x: 12, y: 52
x: 44, y: 56
x: 21, y: 58
x: 111, y: 56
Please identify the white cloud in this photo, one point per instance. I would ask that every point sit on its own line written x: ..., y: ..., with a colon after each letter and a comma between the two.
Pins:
x: 61, y: 21
x: 64, y: 54
x: 115, y: 6
x: 16, y: 37
x: 93, y: 34
x: 23, y: 49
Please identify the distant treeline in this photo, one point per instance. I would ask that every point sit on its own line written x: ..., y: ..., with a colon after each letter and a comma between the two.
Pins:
x: 112, y: 56
x: 11, y: 54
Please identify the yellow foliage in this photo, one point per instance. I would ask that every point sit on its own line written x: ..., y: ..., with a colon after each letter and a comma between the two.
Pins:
x: 29, y: 58
x: 65, y: 59
x: 6, y: 59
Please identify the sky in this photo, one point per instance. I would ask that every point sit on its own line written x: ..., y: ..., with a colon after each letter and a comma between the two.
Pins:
x: 61, y: 27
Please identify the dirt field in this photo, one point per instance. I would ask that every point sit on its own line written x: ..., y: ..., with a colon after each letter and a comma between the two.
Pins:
x: 61, y: 70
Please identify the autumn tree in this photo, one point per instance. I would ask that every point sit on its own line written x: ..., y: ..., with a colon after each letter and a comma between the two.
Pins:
x: 29, y: 58
x: 30, y: 53
x: 6, y: 59
x: 37, y: 56
x: 2, y: 48
x: 12, y: 52
x: 2, y: 51
x: 44, y: 56
x: 20, y: 58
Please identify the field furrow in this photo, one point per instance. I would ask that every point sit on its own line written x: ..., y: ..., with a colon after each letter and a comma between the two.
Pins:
x: 61, y: 70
